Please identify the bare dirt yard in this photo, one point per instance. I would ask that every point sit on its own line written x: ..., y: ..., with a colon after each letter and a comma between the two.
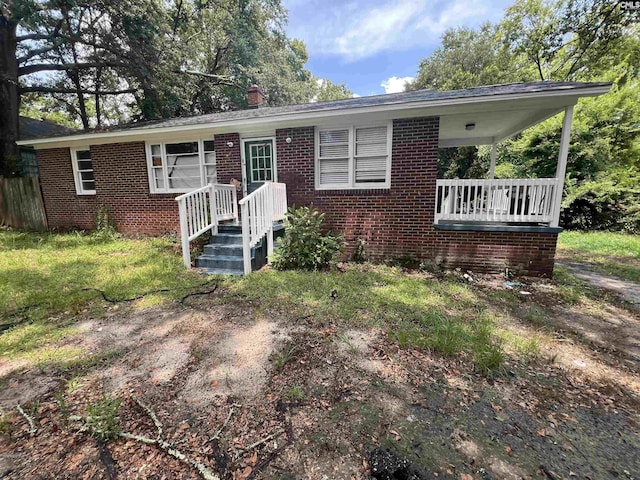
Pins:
x: 368, y: 372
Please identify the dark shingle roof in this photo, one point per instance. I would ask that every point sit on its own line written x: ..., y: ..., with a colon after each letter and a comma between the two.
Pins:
x: 30, y: 128
x: 359, y: 102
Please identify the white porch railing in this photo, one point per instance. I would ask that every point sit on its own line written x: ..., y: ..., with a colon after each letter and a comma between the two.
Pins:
x: 203, y: 209
x: 259, y: 210
x: 497, y: 200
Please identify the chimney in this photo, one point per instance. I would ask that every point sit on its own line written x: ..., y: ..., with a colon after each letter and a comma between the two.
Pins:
x: 255, y: 96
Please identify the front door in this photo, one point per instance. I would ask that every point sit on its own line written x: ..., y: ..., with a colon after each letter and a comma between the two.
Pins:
x: 260, y: 165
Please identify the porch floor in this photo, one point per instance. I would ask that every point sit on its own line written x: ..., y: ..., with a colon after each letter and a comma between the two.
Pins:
x: 478, y: 226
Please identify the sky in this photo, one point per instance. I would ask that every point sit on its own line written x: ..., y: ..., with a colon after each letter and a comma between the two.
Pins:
x: 374, y: 46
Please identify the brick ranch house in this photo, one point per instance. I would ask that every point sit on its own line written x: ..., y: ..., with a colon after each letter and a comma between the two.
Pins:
x: 370, y: 163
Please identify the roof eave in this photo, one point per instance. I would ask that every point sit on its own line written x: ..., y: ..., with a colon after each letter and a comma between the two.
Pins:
x: 62, y: 141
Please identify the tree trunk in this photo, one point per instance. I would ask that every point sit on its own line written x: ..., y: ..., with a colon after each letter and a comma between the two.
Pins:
x: 9, y: 99
x: 97, y: 98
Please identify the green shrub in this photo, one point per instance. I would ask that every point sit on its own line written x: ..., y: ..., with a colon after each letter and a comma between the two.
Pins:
x: 303, y: 246
x: 295, y: 393
x: 360, y: 254
x: 105, y: 225
x: 611, y: 201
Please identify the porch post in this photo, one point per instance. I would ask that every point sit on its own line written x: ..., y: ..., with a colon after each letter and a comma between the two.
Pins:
x: 494, y: 154
x: 561, y: 169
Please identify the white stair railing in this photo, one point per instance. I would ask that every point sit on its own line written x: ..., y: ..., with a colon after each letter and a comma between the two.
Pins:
x: 203, y: 209
x: 496, y: 200
x: 259, y: 210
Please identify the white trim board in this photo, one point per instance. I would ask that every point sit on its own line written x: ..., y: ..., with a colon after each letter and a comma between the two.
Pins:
x: 243, y: 160
x: 76, y: 171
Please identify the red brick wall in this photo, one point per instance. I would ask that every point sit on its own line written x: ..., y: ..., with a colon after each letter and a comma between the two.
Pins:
x: 228, y: 162
x: 394, y: 222
x: 398, y: 221
x: 525, y: 252
x: 64, y: 208
x: 122, y: 183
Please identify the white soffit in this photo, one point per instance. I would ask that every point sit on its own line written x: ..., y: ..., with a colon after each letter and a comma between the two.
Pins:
x: 490, y: 126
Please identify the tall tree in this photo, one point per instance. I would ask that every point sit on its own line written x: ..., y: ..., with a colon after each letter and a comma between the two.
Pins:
x: 558, y: 40
x: 9, y: 96
x: 326, y: 90
x: 466, y: 58
x: 112, y: 61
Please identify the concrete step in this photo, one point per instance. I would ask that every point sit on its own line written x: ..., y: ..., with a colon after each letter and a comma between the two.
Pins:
x: 226, y: 239
x: 223, y: 271
x: 234, y: 227
x: 220, y: 262
x: 223, y: 254
x: 230, y: 228
x: 232, y: 249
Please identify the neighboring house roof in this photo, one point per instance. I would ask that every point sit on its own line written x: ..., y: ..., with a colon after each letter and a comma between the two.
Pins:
x: 569, y: 91
x: 31, y: 128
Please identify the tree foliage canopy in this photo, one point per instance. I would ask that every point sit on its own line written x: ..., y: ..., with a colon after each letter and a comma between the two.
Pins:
x: 110, y: 61
x: 576, y: 40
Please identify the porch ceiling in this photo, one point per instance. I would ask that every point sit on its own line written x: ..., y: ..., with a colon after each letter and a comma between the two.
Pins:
x: 490, y: 126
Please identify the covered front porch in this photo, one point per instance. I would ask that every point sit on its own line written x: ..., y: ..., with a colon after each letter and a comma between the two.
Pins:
x: 506, y: 203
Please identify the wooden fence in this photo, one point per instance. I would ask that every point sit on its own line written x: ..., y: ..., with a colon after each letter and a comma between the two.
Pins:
x: 21, y: 204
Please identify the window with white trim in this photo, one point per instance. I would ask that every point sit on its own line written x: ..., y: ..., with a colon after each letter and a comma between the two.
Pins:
x: 353, y: 157
x: 181, y: 166
x: 83, y: 171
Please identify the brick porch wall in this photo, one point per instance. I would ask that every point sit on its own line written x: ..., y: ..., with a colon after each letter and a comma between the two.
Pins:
x: 399, y: 221
x: 228, y: 163
x: 526, y: 252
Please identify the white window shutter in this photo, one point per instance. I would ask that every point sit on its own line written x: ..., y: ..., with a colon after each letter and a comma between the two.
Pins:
x: 371, y: 155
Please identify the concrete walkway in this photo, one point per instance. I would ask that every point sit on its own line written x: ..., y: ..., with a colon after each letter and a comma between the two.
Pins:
x: 627, y: 289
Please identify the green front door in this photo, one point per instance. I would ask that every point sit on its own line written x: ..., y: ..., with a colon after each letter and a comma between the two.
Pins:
x: 259, y: 163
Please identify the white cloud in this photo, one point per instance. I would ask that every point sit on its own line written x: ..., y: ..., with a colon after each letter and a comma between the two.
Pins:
x: 358, y: 29
x: 395, y: 84
x: 377, y: 29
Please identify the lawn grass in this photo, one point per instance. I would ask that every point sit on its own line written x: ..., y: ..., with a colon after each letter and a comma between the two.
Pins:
x: 43, y: 278
x: 441, y: 315
x: 615, y: 254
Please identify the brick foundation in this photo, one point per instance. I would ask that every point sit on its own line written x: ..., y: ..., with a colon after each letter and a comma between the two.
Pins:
x: 395, y: 222
x: 524, y: 252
